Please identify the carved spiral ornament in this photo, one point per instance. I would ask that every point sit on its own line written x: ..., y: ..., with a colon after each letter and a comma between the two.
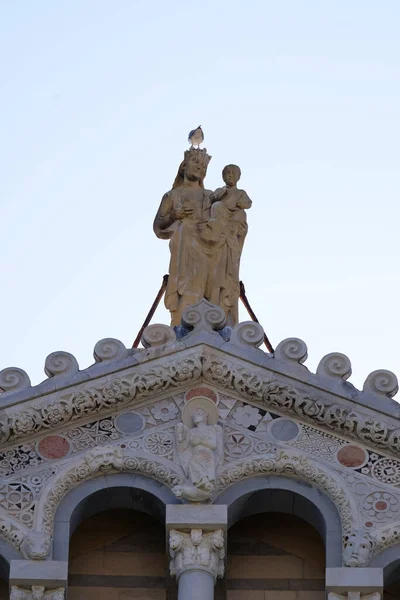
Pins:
x: 292, y: 349
x: 204, y: 315
x: 382, y: 382
x: 157, y: 335
x: 335, y: 365
x: 109, y: 349
x: 14, y: 379
x: 248, y: 333
x: 60, y: 363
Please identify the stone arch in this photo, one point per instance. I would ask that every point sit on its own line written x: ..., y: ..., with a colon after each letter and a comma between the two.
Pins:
x: 111, y: 491
x: 299, y: 477
x: 101, y: 461
x: 388, y: 560
x: 287, y: 463
x: 274, y: 493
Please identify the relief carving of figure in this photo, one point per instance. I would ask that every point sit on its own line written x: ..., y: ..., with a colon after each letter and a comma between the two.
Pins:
x: 358, y: 549
x: 206, y: 232
x: 199, y: 448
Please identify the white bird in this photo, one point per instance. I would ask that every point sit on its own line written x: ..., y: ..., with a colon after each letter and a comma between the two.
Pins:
x: 196, y: 136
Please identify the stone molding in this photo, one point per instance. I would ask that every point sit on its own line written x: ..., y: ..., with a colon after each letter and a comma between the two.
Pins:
x: 36, y: 592
x: 291, y: 464
x: 197, y: 550
x: 354, y: 596
x: 99, y: 461
x: 252, y: 383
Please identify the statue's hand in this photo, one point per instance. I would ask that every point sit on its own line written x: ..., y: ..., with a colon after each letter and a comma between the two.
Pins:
x: 183, y: 211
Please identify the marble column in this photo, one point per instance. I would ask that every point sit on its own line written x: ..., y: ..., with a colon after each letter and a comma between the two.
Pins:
x: 38, y: 579
x: 196, y: 541
x: 354, y: 583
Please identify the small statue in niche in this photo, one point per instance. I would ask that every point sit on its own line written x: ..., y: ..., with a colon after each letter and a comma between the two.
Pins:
x: 199, y: 447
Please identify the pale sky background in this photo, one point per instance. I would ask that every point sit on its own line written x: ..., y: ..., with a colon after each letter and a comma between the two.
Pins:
x: 96, y: 100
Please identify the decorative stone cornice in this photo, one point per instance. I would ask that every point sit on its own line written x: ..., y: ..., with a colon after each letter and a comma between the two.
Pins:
x: 197, y: 550
x: 252, y: 383
x: 105, y: 395
x: 339, y: 416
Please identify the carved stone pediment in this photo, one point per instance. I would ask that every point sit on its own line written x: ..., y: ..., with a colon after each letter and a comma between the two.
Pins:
x: 273, y: 416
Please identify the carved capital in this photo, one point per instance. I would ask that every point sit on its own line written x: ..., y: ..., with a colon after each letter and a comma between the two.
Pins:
x: 354, y: 596
x: 36, y: 592
x: 197, y: 550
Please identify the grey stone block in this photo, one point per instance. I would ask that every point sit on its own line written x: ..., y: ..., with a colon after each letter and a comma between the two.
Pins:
x: 347, y: 579
x: 196, y: 516
x: 49, y: 573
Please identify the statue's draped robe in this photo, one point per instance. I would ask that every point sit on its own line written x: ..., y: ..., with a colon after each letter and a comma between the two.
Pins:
x: 205, y: 255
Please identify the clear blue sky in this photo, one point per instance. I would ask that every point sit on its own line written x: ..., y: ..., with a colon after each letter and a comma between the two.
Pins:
x: 96, y: 99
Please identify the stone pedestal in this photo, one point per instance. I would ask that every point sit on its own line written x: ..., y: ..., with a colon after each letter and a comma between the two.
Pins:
x: 196, y: 541
x: 38, y: 580
x: 346, y: 583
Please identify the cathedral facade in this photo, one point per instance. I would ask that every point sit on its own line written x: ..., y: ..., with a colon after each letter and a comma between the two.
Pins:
x: 199, y: 467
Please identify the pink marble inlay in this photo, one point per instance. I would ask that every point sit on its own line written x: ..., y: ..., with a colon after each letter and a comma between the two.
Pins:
x: 201, y: 391
x: 351, y: 456
x: 53, y: 446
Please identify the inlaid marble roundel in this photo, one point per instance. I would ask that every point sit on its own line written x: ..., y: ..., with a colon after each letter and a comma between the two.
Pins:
x: 129, y: 422
x: 284, y: 430
x: 352, y: 456
x: 53, y: 446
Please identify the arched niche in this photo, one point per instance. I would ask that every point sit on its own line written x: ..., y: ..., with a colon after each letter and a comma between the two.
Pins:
x: 7, y: 554
x: 285, y: 495
x: 389, y: 560
x: 104, y: 493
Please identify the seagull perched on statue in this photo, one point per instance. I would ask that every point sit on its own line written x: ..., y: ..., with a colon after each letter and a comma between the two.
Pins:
x: 196, y: 136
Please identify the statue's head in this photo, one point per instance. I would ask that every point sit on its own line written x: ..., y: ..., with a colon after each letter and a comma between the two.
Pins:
x: 193, y: 167
x: 199, y: 416
x: 358, y: 548
x: 231, y: 175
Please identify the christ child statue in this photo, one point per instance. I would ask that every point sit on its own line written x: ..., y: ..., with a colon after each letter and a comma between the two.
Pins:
x: 228, y: 202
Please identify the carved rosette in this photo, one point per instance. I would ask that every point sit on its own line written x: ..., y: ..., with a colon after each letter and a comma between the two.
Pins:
x: 197, y: 550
